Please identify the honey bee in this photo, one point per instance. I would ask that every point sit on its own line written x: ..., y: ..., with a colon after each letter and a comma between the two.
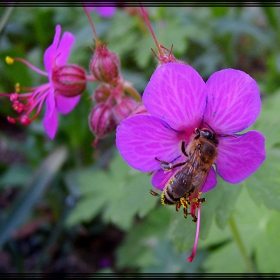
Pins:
x: 201, y: 152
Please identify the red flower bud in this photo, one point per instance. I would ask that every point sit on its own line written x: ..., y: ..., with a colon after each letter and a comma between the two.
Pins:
x: 101, y: 121
x: 105, y: 65
x: 101, y: 93
x: 124, y: 108
x: 69, y: 80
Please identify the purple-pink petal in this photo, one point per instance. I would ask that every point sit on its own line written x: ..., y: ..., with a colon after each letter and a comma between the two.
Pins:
x: 49, y: 54
x: 161, y: 178
x: 176, y: 93
x: 240, y: 156
x: 141, y: 138
x: 106, y: 11
x: 66, y: 104
x: 57, y: 53
x: 64, y: 48
x: 233, y: 101
x: 51, y: 117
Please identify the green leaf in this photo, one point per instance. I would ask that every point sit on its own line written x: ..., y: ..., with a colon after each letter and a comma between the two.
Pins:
x: 225, y: 259
x: 137, y: 249
x: 263, y: 185
x: 44, y: 27
x: 258, y: 229
x: 238, y: 26
x: 143, y: 53
x: 15, y: 175
x: 268, y: 120
x: 38, y: 183
x: 167, y: 37
x: 267, y: 244
x: 119, y: 192
x: 219, y: 205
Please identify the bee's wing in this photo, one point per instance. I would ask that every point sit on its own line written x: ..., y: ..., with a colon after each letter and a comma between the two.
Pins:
x: 192, y: 175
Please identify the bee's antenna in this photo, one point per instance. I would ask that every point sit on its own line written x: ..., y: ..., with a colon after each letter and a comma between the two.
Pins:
x: 210, y: 127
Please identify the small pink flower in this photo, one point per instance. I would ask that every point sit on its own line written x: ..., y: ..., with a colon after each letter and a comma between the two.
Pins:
x: 62, y: 77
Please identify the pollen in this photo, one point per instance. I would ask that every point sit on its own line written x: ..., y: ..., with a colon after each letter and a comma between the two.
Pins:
x: 184, y: 202
x: 9, y: 60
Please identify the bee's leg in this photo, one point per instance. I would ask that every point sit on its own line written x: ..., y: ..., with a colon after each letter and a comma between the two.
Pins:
x: 197, y: 132
x: 185, y: 212
x: 194, y: 219
x: 183, y: 148
x: 202, y: 199
x: 153, y: 193
x: 185, y: 203
x: 178, y: 205
x: 167, y: 166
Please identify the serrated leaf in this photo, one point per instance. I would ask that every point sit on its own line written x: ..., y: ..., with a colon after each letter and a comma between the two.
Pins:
x: 225, y: 259
x: 238, y: 26
x: 181, y: 231
x: 268, y: 120
x: 121, y: 192
x: 227, y: 201
x: 263, y: 185
x: 138, y: 245
x: 268, y: 246
x: 168, y: 260
x: 259, y: 229
x: 167, y: 37
x: 220, y: 203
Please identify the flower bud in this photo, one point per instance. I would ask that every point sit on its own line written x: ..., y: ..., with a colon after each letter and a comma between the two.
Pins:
x: 124, y: 108
x: 101, y: 121
x: 101, y: 93
x: 105, y: 65
x: 69, y: 80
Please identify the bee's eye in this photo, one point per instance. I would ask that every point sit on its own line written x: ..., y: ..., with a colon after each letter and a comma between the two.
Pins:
x: 208, y: 134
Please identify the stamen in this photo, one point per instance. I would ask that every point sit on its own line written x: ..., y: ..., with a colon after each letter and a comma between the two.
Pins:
x: 10, y: 60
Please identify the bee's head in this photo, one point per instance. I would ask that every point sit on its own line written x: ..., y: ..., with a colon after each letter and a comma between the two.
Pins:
x: 209, y: 135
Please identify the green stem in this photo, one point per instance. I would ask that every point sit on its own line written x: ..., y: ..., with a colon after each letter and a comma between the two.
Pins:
x: 240, y: 244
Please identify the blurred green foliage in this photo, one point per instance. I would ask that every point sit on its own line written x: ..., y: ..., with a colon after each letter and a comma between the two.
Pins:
x: 76, y: 192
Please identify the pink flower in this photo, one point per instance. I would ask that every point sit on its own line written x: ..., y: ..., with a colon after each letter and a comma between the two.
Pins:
x: 53, y: 93
x: 178, y: 102
x: 102, y: 11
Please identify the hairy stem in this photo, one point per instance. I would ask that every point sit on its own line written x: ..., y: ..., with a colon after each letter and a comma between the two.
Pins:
x: 151, y: 30
x: 97, y: 42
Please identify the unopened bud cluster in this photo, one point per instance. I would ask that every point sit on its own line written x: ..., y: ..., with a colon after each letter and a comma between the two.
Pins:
x: 112, y: 103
